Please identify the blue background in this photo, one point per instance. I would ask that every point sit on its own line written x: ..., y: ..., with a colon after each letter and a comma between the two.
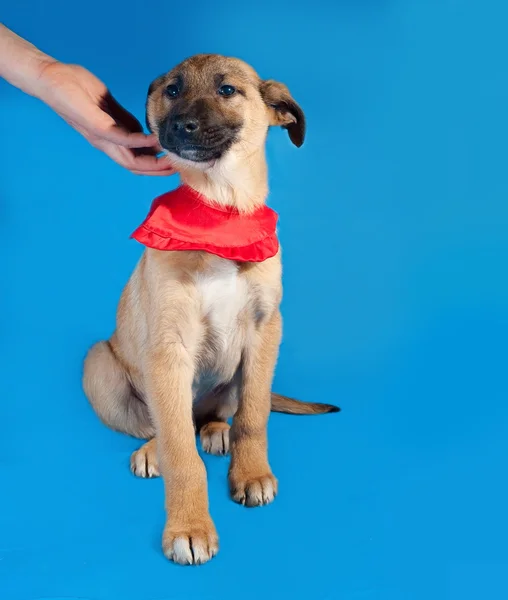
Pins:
x: 396, y: 208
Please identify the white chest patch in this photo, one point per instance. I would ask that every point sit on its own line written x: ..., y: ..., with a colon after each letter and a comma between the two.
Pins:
x: 223, y: 296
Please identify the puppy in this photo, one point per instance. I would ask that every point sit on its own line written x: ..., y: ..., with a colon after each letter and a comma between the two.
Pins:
x: 197, y: 334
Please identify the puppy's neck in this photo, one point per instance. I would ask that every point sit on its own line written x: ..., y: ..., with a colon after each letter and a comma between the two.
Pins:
x: 234, y: 181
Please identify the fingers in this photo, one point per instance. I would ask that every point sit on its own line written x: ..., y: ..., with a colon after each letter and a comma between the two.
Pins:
x: 112, y: 123
x: 119, y: 134
x: 140, y: 165
x: 145, y: 151
x: 151, y: 163
x: 127, y: 127
x: 154, y: 173
x: 121, y: 137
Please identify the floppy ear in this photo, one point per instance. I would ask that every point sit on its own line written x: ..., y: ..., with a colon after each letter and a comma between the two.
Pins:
x: 153, y: 86
x: 284, y: 111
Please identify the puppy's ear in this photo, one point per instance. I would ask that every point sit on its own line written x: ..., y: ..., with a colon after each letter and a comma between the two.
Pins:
x: 153, y: 86
x: 284, y: 111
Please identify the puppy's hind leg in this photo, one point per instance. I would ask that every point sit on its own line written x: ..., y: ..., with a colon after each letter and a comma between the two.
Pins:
x: 110, y: 393
x: 145, y: 461
x: 212, y: 414
x: 214, y: 437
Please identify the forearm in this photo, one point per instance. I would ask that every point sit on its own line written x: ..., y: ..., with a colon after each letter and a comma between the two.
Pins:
x: 83, y: 101
x: 21, y: 63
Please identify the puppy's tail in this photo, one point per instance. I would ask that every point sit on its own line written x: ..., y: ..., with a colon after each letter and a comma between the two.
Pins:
x: 283, y: 404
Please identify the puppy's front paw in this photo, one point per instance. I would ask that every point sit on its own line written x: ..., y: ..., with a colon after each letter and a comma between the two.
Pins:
x: 253, y: 491
x: 190, y: 545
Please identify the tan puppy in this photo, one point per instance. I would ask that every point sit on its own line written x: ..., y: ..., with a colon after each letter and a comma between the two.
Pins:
x: 197, y: 336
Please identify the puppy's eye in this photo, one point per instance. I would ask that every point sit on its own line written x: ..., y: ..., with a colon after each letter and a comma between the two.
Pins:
x: 227, y: 90
x: 172, y: 91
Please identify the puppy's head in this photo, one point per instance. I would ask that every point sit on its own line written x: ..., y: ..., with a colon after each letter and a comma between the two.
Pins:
x: 210, y: 106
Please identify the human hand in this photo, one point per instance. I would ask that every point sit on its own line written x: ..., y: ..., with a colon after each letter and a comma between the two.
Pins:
x: 85, y: 103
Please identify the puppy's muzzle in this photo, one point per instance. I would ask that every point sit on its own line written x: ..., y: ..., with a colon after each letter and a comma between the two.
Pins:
x: 198, y: 138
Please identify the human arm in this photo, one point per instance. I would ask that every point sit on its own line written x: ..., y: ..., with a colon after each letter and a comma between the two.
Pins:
x: 83, y: 101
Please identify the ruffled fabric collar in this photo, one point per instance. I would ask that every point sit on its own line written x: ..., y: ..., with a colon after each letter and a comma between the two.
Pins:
x: 184, y: 220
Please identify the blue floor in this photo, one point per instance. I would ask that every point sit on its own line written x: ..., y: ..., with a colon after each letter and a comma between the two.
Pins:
x: 400, y: 193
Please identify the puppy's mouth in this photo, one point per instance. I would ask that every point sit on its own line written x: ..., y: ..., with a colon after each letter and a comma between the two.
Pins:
x: 198, y: 152
x: 194, y: 141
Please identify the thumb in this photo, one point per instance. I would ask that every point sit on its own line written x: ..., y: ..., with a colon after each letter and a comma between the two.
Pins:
x: 106, y: 128
x: 120, y: 136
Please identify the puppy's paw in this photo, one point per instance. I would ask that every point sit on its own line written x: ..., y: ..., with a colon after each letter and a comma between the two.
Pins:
x: 253, y: 491
x: 192, y: 545
x: 215, y: 438
x: 144, y: 462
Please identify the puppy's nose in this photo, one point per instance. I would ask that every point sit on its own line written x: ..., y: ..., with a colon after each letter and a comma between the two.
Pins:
x: 185, y: 125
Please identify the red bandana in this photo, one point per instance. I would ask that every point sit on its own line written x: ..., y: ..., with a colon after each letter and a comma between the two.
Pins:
x: 185, y: 220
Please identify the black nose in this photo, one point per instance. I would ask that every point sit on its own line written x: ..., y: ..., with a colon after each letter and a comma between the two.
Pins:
x: 184, y: 125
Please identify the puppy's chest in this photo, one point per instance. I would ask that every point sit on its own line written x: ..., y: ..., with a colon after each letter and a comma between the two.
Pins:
x: 224, y: 298
x: 226, y: 301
